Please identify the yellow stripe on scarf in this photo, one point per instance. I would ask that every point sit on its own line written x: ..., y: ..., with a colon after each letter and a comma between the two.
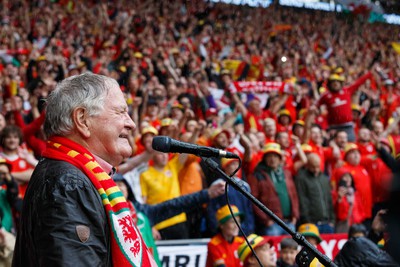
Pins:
x: 72, y: 153
x: 117, y: 200
x: 114, y: 201
x: 101, y: 176
x: 57, y: 145
x: 111, y: 190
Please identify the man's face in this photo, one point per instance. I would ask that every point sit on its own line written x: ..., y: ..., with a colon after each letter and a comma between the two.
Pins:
x: 160, y: 159
x: 152, y: 110
x: 341, y: 139
x: 110, y: 129
x: 147, y: 140
x: 176, y: 113
x: 313, y: 167
x: 272, y: 160
x: 356, y: 115
x: 364, y: 135
x: 283, y: 140
x: 288, y: 255
x: 266, y: 254
x: 221, y: 141
x: 335, y: 86
x: 284, y: 120
x: 353, y: 157
x: 254, y: 106
x: 377, y: 128
x: 298, y: 130
x: 191, y: 126
x: 316, y: 135
x: 185, y: 102
x: 270, y: 129
x: 229, y: 228
x: 11, y: 142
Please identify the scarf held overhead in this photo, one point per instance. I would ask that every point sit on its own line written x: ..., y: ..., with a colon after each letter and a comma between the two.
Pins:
x: 127, y: 245
x: 256, y: 87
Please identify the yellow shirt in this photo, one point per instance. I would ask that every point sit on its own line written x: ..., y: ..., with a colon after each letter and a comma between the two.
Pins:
x: 159, y: 186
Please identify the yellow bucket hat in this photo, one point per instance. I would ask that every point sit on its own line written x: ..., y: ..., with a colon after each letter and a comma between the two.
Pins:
x: 223, y: 214
x: 272, y: 148
x: 310, y: 229
x: 255, y: 241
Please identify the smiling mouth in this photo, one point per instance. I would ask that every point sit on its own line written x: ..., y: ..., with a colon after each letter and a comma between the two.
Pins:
x: 125, y: 136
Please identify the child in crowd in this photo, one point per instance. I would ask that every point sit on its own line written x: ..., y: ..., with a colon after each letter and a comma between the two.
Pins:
x: 311, y: 233
x: 289, y: 250
x: 262, y: 247
x: 223, y: 247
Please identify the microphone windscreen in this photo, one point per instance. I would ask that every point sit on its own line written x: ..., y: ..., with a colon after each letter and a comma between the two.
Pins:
x: 161, y: 143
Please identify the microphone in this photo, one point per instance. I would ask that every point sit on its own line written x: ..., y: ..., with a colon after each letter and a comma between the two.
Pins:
x: 167, y: 144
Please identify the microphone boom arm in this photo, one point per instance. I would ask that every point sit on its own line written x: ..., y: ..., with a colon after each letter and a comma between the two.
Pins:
x: 303, y: 258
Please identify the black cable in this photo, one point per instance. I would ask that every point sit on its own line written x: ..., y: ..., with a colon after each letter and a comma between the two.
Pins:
x: 234, y: 218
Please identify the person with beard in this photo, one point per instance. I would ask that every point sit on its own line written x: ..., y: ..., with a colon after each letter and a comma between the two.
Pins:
x: 364, y: 143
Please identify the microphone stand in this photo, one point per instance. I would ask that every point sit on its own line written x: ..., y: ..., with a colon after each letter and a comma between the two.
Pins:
x: 308, y: 252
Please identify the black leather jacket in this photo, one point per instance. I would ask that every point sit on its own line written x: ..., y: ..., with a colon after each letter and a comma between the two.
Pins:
x: 59, y: 199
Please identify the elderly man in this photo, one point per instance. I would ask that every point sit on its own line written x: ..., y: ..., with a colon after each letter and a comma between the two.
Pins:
x: 314, y: 193
x: 275, y: 188
x: 73, y: 213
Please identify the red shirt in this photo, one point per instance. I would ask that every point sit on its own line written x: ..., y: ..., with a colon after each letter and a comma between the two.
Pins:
x: 18, y: 165
x: 342, y: 209
x: 288, y: 160
x: 389, y: 104
x: 366, y: 149
x: 339, y: 103
x: 255, y: 159
x: 381, y: 177
x: 222, y: 253
x: 362, y: 184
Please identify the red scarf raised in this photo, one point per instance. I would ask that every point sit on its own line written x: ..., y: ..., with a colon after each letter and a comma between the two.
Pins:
x: 127, y: 245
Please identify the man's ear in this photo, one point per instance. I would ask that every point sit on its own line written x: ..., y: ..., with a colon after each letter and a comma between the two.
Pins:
x: 81, y: 121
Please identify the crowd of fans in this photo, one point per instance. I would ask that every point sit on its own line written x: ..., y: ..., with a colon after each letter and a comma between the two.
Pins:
x: 309, y: 100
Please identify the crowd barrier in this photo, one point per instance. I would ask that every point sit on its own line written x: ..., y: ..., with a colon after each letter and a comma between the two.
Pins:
x: 193, y: 252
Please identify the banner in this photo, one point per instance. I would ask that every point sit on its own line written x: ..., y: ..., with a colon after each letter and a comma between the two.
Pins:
x: 256, y: 87
x: 193, y: 252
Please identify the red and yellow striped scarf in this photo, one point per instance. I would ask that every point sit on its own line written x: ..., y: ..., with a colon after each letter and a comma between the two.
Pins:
x: 127, y: 245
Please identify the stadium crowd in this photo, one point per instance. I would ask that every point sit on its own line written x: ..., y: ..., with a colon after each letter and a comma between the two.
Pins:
x: 309, y: 100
